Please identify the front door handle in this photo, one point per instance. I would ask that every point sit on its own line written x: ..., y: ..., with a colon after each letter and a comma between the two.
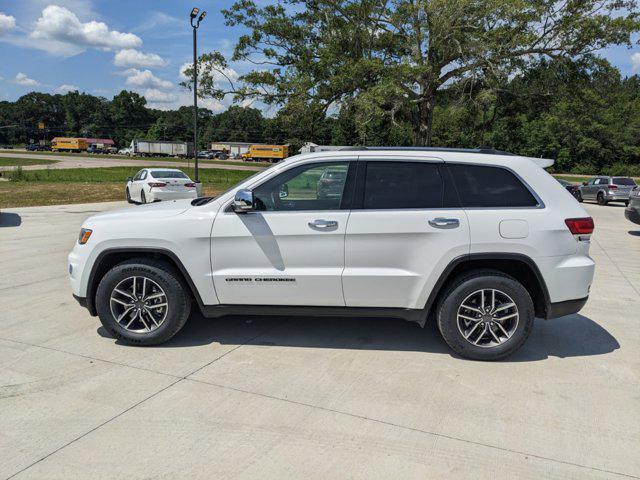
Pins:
x: 323, y: 224
x: 441, y: 222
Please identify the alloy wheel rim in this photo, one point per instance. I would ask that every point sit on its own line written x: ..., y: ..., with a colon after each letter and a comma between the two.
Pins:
x: 139, y: 304
x: 487, y: 318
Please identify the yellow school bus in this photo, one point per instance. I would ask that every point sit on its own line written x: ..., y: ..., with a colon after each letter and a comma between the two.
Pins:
x: 66, y: 144
x: 272, y: 153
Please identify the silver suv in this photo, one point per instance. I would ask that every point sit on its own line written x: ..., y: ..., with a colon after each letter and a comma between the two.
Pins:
x: 607, y: 189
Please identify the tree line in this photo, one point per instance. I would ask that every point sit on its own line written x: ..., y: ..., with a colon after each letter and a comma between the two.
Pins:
x: 584, y: 114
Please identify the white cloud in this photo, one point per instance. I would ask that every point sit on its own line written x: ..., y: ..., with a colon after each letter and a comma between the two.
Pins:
x: 22, y: 79
x: 7, y: 23
x: 635, y: 61
x: 146, y: 79
x: 66, y: 88
x: 153, y: 95
x: 135, y: 58
x: 60, y: 31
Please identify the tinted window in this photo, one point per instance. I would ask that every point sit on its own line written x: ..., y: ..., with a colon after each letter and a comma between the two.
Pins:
x: 402, y: 185
x: 623, y: 181
x: 483, y: 186
x: 318, y: 186
x: 167, y: 174
x: 138, y: 175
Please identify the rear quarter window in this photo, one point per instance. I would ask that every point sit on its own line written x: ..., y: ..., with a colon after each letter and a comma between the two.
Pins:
x: 623, y: 181
x: 490, y: 187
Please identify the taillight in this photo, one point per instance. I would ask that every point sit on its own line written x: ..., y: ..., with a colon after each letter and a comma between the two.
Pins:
x: 190, y: 185
x: 157, y: 184
x: 612, y: 187
x: 580, y: 226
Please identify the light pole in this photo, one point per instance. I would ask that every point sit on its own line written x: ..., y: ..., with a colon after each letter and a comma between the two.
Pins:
x: 195, y: 24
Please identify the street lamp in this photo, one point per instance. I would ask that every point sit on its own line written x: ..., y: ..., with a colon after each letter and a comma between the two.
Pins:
x: 195, y: 24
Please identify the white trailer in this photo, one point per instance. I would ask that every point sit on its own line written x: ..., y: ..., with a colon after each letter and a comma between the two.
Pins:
x: 157, y: 148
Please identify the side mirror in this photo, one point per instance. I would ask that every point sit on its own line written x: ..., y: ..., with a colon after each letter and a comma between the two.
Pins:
x: 584, y: 184
x: 243, y: 202
x: 284, y: 191
x: 129, y: 179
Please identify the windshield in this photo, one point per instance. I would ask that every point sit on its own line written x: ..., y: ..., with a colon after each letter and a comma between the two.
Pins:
x: 167, y: 174
x: 623, y: 181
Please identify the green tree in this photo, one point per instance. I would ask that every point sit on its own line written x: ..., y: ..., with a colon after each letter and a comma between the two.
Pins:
x: 396, y: 59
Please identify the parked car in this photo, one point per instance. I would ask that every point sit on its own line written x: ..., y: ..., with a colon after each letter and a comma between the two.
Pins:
x: 221, y: 156
x: 483, y: 263
x: 156, y: 184
x: 331, y: 183
x: 32, y: 147
x: 124, y: 151
x: 205, y: 154
x: 6, y: 147
x: 96, y: 149
x: 572, y: 188
x: 606, y: 189
x: 632, y: 212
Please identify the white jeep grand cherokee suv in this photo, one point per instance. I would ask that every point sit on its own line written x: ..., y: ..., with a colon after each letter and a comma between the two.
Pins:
x: 481, y: 241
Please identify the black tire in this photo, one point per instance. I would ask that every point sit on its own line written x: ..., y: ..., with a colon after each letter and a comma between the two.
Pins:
x: 128, y: 195
x: 178, y: 300
x: 579, y: 197
x: 601, y: 200
x: 465, y: 285
x: 143, y: 198
x: 626, y: 203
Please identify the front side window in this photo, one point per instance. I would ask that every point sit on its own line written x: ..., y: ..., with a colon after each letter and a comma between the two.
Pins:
x: 395, y: 185
x: 490, y: 187
x: 318, y: 186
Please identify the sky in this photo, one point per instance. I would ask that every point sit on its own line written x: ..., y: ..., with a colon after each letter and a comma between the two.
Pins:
x: 104, y: 46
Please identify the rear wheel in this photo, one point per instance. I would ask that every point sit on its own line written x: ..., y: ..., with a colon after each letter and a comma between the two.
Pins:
x: 626, y: 203
x: 143, y: 198
x: 485, y: 315
x: 579, y: 197
x: 601, y: 199
x: 143, y: 302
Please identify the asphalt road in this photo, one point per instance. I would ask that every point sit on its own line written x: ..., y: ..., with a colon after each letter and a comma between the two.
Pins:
x: 87, y: 161
x: 309, y: 398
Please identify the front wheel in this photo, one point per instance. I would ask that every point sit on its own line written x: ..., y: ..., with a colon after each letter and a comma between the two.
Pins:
x: 485, y: 315
x: 143, y: 302
x: 128, y: 195
x: 579, y: 197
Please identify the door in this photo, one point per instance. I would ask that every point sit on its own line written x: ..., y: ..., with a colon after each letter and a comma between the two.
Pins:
x: 136, y: 185
x: 290, y: 250
x: 400, y: 236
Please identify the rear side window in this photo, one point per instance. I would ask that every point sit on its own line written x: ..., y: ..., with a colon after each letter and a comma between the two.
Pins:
x: 490, y: 187
x: 392, y: 185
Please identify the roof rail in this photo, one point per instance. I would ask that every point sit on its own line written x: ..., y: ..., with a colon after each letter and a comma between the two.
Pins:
x: 486, y: 151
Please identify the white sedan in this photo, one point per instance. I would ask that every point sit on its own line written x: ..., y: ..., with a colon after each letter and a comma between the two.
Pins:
x: 156, y: 184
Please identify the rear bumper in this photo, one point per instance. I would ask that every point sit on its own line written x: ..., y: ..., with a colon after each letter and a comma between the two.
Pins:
x: 568, y: 307
x: 617, y: 198
x: 632, y: 214
x: 165, y: 196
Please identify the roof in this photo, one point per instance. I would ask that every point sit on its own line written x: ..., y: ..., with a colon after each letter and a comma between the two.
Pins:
x: 543, y: 162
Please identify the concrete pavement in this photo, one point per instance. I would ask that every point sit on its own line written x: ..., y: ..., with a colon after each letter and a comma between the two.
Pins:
x: 309, y: 397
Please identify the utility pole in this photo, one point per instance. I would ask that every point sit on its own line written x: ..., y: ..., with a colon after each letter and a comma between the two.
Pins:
x: 195, y: 24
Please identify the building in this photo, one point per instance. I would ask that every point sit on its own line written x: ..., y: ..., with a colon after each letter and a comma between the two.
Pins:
x: 106, y: 142
x: 311, y: 147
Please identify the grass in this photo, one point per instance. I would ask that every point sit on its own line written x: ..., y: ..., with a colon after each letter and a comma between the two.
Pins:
x: 14, y: 162
x: 79, y: 185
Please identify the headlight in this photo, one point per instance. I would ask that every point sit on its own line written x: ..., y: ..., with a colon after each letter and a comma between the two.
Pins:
x: 85, y: 233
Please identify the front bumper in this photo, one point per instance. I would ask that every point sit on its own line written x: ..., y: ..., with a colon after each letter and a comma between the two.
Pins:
x: 632, y: 214
x: 568, y: 307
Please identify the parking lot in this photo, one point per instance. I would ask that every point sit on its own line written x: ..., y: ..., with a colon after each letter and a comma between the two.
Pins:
x: 309, y: 397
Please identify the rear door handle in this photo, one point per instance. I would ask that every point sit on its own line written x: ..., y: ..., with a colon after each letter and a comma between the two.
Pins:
x: 323, y: 224
x: 441, y: 222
